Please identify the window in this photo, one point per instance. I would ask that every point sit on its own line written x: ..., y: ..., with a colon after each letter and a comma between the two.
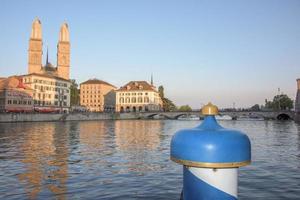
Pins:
x: 65, y: 97
x: 146, y: 99
x: 9, y: 101
x: 140, y: 100
x: 121, y: 100
x: 56, y: 96
x: 56, y: 103
x: 133, y: 100
x: 127, y: 100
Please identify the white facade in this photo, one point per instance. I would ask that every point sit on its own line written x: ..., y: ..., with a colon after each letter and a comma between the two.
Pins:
x: 129, y: 99
x: 50, y: 93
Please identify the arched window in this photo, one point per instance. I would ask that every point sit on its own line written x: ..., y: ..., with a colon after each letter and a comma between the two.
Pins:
x: 146, y: 99
x: 140, y: 100
x: 133, y: 100
x: 127, y: 100
x: 121, y: 100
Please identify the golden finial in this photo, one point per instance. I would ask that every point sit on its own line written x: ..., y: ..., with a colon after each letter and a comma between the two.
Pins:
x: 210, y: 109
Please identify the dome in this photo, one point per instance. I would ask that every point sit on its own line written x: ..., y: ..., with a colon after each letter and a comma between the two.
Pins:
x: 49, y: 67
x: 211, y: 145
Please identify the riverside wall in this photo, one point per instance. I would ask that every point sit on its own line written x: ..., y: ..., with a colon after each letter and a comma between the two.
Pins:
x: 30, y: 117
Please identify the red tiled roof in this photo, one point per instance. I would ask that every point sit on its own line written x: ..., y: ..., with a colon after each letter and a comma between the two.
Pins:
x: 136, y: 86
x: 48, y: 76
x: 13, y: 82
x: 96, y: 81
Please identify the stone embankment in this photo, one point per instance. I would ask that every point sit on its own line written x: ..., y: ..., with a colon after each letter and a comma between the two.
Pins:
x: 30, y: 117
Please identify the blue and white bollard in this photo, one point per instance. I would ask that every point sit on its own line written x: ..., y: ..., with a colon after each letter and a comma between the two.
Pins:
x: 211, y: 156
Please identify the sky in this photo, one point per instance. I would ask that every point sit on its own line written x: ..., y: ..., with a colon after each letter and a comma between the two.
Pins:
x: 232, y: 53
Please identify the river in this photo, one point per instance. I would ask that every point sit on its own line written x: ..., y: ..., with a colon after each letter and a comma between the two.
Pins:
x: 129, y: 159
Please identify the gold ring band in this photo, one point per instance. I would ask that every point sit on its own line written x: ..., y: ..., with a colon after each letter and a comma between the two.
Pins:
x: 210, y: 165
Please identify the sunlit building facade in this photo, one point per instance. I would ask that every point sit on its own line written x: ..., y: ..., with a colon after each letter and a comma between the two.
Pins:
x: 97, y: 96
x: 138, y: 96
x: 15, y: 96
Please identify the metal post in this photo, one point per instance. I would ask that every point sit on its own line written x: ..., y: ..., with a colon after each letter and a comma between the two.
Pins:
x: 211, y: 156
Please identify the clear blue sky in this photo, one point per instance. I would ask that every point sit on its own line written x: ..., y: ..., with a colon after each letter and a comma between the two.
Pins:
x: 203, y: 50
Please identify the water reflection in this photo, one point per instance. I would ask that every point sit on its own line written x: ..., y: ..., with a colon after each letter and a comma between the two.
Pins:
x: 45, y: 160
x: 138, y: 135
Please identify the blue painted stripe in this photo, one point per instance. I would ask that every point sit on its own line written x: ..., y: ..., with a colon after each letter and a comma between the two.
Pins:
x: 196, y: 189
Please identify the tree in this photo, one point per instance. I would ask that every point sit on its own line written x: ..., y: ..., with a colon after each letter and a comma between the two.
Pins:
x: 280, y: 102
x: 75, y: 93
x: 255, y: 108
x: 168, y: 105
x: 185, y: 108
x: 161, y: 91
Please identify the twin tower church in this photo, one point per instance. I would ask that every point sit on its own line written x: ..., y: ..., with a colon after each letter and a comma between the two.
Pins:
x: 35, y: 53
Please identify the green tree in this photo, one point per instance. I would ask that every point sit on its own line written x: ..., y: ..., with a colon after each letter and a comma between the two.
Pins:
x: 161, y: 91
x: 168, y: 105
x: 75, y: 93
x: 185, y: 108
x: 282, y: 102
x: 255, y: 107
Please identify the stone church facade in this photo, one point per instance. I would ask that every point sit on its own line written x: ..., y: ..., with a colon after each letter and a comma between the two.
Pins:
x: 50, y: 83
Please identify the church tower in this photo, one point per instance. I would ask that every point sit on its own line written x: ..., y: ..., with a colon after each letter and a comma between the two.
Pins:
x: 35, y: 48
x: 63, y: 52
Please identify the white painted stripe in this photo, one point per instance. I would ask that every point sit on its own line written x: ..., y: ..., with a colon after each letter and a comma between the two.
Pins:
x: 223, y: 179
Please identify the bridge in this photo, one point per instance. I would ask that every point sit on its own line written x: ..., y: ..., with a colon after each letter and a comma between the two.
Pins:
x: 276, y: 115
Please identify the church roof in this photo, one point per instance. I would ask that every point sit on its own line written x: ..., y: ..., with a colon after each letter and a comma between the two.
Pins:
x: 13, y: 82
x: 47, y: 75
x: 97, y: 81
x: 136, y: 86
x: 49, y: 67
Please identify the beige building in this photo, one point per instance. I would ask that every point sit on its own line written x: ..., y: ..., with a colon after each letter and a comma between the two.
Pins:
x: 50, y: 93
x: 138, y: 96
x: 97, y: 95
x: 51, y: 84
x: 15, y: 96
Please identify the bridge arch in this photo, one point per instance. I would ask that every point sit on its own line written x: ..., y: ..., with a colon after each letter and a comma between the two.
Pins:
x: 180, y: 115
x: 158, y: 114
x: 283, y: 116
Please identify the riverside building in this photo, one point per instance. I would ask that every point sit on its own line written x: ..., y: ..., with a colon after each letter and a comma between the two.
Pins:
x: 15, y: 96
x: 138, y: 96
x: 97, y: 96
x: 51, y: 84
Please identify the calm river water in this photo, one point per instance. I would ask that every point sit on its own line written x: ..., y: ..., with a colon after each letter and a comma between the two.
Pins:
x: 130, y: 160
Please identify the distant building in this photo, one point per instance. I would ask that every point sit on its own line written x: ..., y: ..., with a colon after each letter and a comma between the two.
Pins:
x: 51, y: 84
x: 97, y: 95
x: 51, y: 93
x: 138, y: 96
x: 15, y: 96
x: 297, y: 102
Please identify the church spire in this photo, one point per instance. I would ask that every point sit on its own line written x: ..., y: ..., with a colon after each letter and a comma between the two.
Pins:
x: 151, y: 79
x: 36, y: 30
x: 47, y: 61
